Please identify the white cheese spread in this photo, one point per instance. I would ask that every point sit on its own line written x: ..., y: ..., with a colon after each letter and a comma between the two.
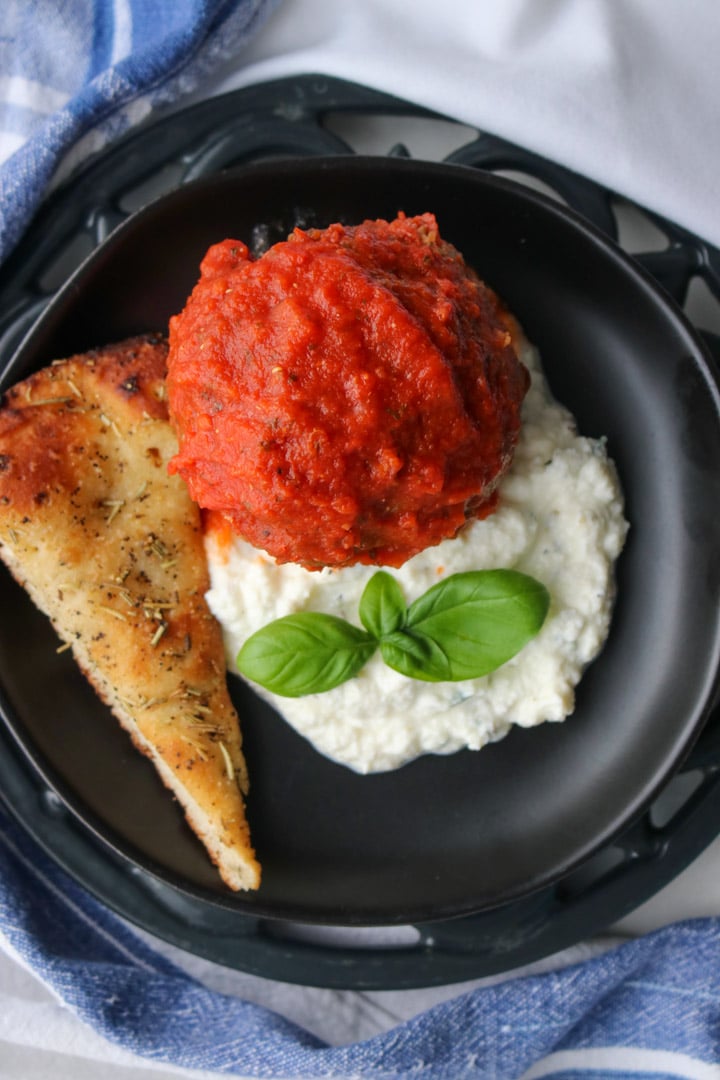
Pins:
x: 559, y: 518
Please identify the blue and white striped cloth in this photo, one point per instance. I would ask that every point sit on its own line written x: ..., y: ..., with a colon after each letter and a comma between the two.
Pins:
x: 74, y: 74
x: 649, y: 1008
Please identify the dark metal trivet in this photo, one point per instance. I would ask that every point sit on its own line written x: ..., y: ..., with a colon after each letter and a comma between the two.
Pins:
x: 306, y: 116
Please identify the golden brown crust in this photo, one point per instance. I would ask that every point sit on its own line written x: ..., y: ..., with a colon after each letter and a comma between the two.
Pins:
x: 110, y: 548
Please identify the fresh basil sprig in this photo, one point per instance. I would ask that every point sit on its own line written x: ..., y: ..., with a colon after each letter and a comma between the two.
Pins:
x: 464, y: 627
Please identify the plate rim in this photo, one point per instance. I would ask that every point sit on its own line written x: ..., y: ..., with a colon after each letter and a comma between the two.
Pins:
x: 670, y: 307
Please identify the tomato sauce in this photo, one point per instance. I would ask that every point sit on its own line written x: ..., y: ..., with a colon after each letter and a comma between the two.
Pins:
x: 352, y: 395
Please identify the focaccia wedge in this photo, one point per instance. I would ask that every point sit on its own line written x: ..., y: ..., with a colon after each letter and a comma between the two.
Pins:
x: 110, y: 548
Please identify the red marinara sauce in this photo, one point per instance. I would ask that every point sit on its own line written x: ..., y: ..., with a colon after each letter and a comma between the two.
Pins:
x: 353, y: 395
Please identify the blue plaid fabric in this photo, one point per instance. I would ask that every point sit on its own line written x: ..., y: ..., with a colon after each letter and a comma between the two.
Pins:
x: 73, y: 75
x: 73, y: 70
x: 649, y: 1008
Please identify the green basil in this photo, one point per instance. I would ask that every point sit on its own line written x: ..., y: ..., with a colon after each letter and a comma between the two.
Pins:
x: 382, y: 607
x: 305, y: 653
x: 476, y: 622
x: 409, y: 653
x: 462, y: 628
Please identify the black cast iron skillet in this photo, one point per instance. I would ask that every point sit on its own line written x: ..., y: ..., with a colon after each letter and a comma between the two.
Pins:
x: 442, y: 836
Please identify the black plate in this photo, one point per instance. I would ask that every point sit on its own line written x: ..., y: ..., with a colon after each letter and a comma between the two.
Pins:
x: 442, y: 836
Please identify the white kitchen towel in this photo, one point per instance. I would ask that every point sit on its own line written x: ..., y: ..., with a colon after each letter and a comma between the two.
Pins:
x: 623, y: 91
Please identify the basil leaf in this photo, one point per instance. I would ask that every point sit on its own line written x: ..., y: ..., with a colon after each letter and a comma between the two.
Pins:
x: 382, y: 605
x: 305, y: 653
x: 477, y: 620
x: 416, y: 656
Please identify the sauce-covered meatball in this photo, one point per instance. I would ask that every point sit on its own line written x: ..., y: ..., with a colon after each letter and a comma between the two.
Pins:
x: 352, y: 395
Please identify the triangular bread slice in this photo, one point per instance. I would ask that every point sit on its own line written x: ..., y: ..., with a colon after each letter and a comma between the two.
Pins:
x: 110, y: 547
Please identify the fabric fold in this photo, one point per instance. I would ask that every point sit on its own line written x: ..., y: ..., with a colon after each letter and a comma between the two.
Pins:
x: 85, y: 71
x: 655, y: 995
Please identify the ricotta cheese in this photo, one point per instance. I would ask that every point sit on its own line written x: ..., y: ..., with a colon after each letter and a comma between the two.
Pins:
x: 560, y: 518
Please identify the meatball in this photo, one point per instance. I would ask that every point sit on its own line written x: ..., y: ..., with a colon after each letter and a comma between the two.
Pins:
x: 352, y: 395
